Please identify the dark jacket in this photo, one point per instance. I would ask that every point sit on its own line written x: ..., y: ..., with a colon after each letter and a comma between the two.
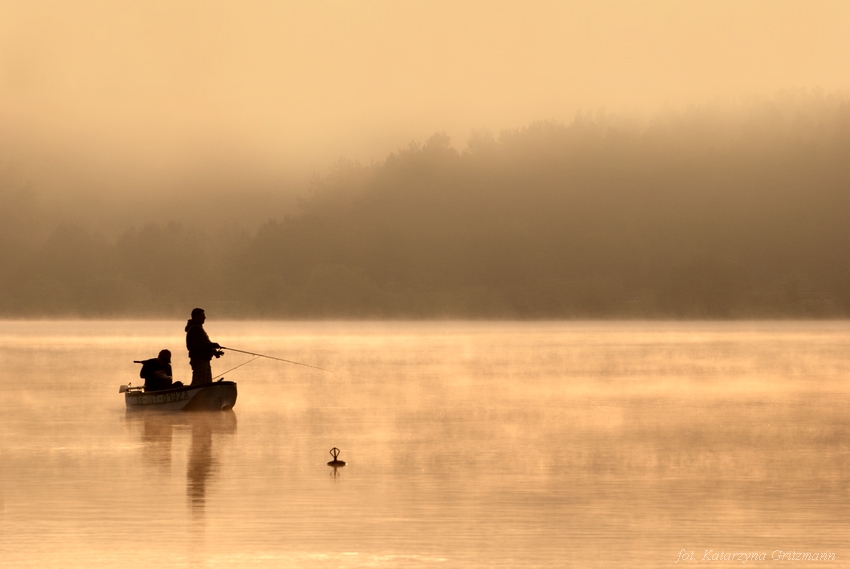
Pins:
x: 198, y: 343
x: 157, y: 375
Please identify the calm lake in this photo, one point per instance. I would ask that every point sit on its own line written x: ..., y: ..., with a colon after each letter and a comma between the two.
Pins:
x: 469, y: 444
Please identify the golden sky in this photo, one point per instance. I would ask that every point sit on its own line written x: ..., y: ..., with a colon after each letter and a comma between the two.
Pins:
x: 162, y: 88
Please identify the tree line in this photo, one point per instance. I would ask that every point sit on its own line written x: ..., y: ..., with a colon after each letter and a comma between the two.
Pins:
x: 698, y: 214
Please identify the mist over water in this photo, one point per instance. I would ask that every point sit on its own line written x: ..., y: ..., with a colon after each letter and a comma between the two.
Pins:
x: 580, y: 269
x: 468, y: 445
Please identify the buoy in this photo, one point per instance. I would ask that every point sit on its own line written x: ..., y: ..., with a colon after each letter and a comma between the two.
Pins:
x: 336, y: 463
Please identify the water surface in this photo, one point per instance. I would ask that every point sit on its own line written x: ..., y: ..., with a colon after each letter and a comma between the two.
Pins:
x: 468, y: 445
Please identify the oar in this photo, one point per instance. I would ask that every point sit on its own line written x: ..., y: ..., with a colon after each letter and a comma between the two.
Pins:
x: 274, y: 358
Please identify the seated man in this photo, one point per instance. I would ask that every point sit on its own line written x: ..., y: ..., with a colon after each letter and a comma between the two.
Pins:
x: 157, y: 373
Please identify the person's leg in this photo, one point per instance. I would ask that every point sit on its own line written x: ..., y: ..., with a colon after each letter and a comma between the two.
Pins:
x: 194, y: 365
x: 201, y: 372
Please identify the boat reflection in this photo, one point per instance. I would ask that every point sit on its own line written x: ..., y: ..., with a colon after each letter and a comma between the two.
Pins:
x: 162, y: 431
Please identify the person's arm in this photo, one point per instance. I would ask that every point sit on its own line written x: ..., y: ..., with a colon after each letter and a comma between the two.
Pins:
x: 146, y: 369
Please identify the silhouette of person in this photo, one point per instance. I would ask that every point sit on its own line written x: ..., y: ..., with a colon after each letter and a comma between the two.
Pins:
x: 157, y: 372
x: 201, y: 349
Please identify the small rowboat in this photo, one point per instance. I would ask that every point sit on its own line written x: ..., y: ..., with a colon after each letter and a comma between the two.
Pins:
x: 217, y: 396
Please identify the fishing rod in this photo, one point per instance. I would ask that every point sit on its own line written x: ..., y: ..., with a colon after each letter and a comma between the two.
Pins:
x: 233, y: 368
x: 274, y: 358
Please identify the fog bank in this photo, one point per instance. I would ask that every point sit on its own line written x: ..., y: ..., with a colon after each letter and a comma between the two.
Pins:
x: 118, y: 98
x: 711, y: 213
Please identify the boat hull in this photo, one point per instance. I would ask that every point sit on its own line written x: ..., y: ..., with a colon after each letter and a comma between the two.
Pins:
x: 218, y: 396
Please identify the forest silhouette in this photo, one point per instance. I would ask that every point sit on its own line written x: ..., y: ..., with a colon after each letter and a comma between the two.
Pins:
x: 705, y: 213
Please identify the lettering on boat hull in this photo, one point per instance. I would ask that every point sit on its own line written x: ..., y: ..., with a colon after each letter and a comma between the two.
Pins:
x: 219, y: 396
x: 159, y: 398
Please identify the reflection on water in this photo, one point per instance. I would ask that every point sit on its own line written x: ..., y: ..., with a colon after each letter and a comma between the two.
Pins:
x: 467, y: 445
x: 158, y: 430
x: 199, y: 468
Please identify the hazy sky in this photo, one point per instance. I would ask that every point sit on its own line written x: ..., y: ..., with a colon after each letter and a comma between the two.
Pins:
x: 122, y: 94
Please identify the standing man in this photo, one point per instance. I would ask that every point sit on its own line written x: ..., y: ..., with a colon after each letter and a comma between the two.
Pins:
x: 201, y: 350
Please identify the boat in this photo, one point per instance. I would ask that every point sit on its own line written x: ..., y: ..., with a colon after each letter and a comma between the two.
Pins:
x: 216, y: 396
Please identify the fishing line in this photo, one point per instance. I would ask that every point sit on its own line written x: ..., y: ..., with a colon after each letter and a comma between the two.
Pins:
x: 274, y: 358
x: 233, y: 368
